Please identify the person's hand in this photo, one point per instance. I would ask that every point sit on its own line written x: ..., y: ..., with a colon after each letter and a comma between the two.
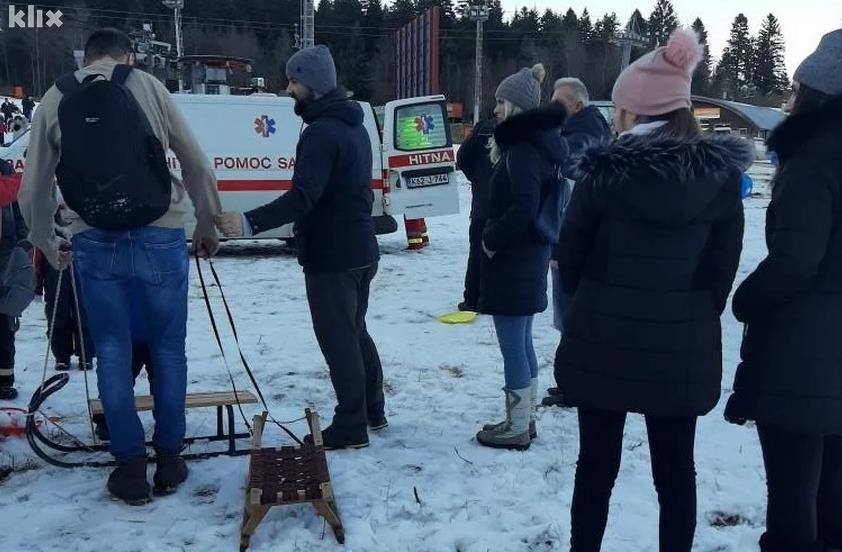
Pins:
x: 65, y: 255
x: 488, y: 253
x: 554, y: 264
x: 205, y: 244
x: 230, y: 224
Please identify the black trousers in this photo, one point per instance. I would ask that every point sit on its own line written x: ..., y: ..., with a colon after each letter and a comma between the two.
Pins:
x: 338, y: 305
x: 8, y: 327
x: 804, y: 482
x: 671, y: 443
x: 472, y: 274
x: 65, y: 341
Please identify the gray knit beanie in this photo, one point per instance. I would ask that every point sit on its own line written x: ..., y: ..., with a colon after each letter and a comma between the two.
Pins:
x: 314, y: 68
x: 822, y: 70
x: 523, y: 89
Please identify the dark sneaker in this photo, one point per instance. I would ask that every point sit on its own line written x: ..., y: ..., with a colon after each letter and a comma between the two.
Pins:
x: 86, y: 366
x: 171, y: 472
x: 8, y: 393
x: 335, y: 440
x: 378, y: 422
x: 128, y: 482
x: 62, y: 366
x: 465, y: 307
x: 553, y: 391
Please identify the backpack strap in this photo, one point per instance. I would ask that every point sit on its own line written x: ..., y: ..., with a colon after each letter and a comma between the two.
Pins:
x: 121, y: 73
x: 67, y: 83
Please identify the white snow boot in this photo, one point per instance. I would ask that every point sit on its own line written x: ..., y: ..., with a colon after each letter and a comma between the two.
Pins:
x: 533, y: 431
x: 515, y: 433
x: 533, y: 408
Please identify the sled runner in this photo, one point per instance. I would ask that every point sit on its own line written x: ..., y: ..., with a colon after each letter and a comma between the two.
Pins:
x: 225, y: 429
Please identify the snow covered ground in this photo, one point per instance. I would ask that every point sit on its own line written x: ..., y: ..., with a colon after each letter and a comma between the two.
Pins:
x: 442, y: 382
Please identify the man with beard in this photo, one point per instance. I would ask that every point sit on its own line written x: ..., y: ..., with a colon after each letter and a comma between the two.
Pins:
x: 330, y: 204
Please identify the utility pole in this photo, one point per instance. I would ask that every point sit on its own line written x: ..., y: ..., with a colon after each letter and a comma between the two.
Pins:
x: 176, y: 6
x: 308, y: 24
x: 478, y: 13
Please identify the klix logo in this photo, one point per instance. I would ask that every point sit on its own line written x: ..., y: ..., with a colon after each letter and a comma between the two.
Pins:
x: 33, y: 18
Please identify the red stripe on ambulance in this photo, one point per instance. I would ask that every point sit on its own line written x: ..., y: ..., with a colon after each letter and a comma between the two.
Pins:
x: 423, y: 158
x: 228, y: 185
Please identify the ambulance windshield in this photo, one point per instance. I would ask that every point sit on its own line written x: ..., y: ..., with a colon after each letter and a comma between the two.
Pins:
x: 421, y: 127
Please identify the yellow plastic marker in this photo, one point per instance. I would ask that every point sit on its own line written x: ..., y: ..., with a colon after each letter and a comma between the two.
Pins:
x: 458, y: 317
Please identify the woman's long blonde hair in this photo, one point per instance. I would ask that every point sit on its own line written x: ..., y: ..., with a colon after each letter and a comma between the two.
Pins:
x: 496, y: 155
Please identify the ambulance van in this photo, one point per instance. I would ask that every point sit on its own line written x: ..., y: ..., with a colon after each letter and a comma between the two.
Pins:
x: 251, y: 143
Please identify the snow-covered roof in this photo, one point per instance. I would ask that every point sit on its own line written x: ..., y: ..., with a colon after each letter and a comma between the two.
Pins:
x: 764, y: 118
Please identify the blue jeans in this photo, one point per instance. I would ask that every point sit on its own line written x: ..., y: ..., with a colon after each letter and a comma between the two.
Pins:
x: 141, y: 274
x: 560, y: 300
x: 520, y: 365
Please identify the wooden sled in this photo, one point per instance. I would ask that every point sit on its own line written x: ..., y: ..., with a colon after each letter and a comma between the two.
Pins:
x: 288, y: 475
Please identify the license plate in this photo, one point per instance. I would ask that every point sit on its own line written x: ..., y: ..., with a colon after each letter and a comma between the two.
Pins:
x: 428, y: 180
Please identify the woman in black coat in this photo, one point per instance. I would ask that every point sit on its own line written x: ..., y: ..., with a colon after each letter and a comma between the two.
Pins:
x: 526, y: 150
x: 790, y: 380
x: 648, y: 250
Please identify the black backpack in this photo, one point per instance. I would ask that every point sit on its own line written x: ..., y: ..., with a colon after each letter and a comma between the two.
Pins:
x: 113, y: 169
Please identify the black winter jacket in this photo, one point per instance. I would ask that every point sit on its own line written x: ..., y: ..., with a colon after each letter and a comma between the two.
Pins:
x: 473, y: 160
x: 791, y: 371
x: 514, y: 281
x: 584, y: 130
x: 648, y: 250
x: 331, y: 198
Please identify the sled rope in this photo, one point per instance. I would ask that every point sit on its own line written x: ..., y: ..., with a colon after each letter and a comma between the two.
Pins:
x: 245, y: 363
x: 84, y: 357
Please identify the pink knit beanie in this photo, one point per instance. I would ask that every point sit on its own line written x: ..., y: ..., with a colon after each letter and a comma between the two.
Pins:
x: 659, y: 82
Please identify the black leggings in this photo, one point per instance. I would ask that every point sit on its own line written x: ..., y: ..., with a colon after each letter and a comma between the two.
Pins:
x: 671, y: 443
x: 804, y: 481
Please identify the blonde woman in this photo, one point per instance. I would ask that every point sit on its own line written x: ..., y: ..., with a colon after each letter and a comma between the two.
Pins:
x: 525, y: 151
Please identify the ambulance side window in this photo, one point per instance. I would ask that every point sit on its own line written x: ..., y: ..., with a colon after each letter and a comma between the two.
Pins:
x: 421, y: 127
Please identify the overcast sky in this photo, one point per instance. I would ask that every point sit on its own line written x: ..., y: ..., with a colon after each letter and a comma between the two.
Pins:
x: 803, y: 21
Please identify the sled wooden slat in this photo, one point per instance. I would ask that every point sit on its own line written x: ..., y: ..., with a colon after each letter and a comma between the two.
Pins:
x: 288, y: 475
x: 194, y: 400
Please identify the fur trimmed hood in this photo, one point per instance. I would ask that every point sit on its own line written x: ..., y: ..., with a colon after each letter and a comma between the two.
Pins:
x: 667, y: 180
x: 810, y: 129
x: 540, y: 127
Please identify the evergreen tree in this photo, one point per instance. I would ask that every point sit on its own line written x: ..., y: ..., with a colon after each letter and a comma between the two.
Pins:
x: 702, y: 76
x: 400, y: 13
x: 550, y: 22
x: 526, y: 22
x: 584, y: 27
x: 374, y: 19
x: 737, y: 61
x: 570, y: 23
x: 662, y: 23
x: 352, y: 68
x: 770, y: 77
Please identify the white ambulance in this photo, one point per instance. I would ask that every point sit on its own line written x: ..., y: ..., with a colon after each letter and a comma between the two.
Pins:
x: 251, y: 143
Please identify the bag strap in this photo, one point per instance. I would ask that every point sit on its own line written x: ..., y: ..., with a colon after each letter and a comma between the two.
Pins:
x: 68, y: 84
x: 121, y: 73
